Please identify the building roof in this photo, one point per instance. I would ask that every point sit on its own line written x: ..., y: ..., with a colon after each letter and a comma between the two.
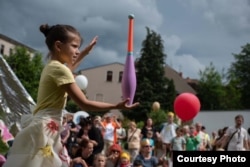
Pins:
x: 180, y: 83
x: 103, y: 65
x: 14, y: 99
x: 16, y: 43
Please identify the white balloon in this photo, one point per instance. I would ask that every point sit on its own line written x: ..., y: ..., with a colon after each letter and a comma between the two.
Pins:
x: 81, y: 81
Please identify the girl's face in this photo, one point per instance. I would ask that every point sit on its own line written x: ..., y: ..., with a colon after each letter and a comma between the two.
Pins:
x: 100, y: 161
x: 124, y: 160
x: 69, y: 51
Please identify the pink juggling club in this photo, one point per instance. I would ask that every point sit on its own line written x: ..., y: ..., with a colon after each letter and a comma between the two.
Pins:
x: 129, y: 74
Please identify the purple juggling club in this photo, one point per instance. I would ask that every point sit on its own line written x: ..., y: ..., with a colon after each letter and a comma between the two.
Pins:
x: 129, y: 74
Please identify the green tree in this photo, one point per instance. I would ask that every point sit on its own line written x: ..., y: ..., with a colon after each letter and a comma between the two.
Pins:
x: 27, y: 69
x: 239, y: 75
x: 152, y: 85
x: 210, y: 89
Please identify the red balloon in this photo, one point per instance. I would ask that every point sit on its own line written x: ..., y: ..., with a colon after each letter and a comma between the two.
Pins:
x: 186, y: 106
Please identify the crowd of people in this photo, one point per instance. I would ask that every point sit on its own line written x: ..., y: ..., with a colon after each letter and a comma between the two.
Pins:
x: 103, y: 141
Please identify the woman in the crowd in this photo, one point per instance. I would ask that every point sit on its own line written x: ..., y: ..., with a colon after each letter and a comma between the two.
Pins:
x: 133, y: 140
x: 148, y: 126
x: 84, y: 156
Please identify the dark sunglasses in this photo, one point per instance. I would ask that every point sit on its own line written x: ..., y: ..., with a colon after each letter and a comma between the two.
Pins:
x: 115, y: 151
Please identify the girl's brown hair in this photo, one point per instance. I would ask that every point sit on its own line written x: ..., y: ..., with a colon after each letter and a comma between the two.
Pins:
x: 57, y: 33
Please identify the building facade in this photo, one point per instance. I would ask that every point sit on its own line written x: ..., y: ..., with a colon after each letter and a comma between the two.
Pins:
x: 8, y: 45
x: 104, y: 82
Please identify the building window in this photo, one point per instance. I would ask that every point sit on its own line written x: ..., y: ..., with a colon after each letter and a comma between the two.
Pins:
x: 2, y: 49
x: 120, y: 76
x: 109, y: 76
x: 99, y: 97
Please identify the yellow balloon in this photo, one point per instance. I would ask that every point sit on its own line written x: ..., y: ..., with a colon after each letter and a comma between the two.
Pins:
x: 156, y: 106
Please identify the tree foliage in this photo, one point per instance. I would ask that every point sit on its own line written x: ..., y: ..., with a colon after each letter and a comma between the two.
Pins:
x: 210, y: 89
x: 215, y: 92
x: 239, y: 75
x: 27, y: 68
x: 152, y: 85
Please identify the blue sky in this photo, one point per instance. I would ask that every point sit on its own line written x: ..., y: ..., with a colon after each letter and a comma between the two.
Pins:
x: 195, y: 32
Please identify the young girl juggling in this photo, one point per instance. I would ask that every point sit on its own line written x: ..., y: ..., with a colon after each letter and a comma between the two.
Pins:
x: 39, y: 143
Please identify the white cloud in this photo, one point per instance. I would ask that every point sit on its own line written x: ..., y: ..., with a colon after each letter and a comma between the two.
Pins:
x: 188, y: 65
x: 185, y: 63
x: 233, y: 16
x: 100, y: 56
x: 172, y: 44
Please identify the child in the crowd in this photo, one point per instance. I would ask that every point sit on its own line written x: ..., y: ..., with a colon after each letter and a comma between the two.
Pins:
x: 178, y: 143
x: 167, y: 133
x: 100, y: 160
x: 192, y: 141
x: 125, y: 160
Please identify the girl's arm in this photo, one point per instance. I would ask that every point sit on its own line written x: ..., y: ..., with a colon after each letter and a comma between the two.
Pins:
x: 88, y: 105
